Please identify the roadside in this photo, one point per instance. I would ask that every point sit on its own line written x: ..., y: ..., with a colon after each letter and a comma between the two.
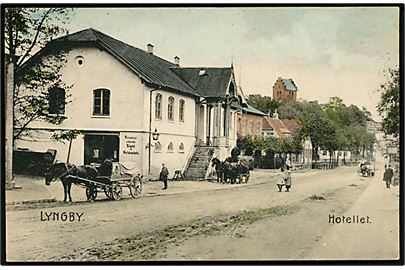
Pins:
x: 33, y: 189
x: 377, y: 240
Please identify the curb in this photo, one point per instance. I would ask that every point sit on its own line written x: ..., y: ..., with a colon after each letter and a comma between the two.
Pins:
x: 32, y: 202
x: 52, y: 200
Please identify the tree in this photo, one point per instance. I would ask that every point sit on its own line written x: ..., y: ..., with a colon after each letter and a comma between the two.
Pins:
x: 389, y: 105
x: 263, y: 103
x: 27, y: 31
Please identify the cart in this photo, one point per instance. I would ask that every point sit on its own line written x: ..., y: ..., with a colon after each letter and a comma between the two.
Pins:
x: 112, y: 184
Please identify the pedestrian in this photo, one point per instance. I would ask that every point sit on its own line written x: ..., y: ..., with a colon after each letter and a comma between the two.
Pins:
x: 280, y: 180
x: 288, y: 163
x: 388, y: 173
x: 164, y: 172
x: 287, y: 179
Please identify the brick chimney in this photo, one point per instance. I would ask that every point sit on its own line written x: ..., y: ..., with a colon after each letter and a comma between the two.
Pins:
x: 150, y: 48
x: 177, y: 60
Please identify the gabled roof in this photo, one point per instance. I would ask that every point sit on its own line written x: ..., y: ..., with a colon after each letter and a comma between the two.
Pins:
x: 292, y: 125
x: 289, y: 84
x: 253, y: 110
x: 246, y: 108
x: 149, y: 67
x: 277, y: 125
x: 207, y: 81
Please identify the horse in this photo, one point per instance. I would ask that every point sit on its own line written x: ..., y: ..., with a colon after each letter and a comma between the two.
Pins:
x: 231, y: 170
x: 68, y: 174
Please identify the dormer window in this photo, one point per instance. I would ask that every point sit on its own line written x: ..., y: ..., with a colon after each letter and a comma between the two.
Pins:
x: 202, y: 72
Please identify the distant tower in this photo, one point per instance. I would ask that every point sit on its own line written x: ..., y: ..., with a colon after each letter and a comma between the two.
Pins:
x: 285, y: 89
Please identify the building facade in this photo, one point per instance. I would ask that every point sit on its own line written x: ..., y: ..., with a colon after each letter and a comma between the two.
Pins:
x: 285, y: 90
x: 249, y: 121
x: 121, y: 96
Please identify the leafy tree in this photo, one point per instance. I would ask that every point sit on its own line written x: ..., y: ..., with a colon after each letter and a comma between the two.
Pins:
x: 263, y: 103
x: 389, y: 105
x: 27, y: 31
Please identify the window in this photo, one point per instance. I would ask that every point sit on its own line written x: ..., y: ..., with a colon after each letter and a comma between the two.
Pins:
x: 79, y: 60
x: 245, y: 128
x: 56, y: 99
x: 181, y: 148
x: 170, y: 107
x: 158, y: 147
x: 258, y: 128
x: 101, y: 104
x: 181, y: 110
x: 170, y: 147
x: 158, y: 106
x: 252, y: 127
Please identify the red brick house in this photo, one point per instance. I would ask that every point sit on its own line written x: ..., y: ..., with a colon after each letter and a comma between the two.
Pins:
x: 249, y: 121
x: 285, y: 89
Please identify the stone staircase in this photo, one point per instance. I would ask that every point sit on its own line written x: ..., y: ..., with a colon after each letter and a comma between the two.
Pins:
x: 199, y: 162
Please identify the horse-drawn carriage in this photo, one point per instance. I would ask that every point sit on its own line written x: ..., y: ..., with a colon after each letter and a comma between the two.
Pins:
x: 232, y: 170
x: 366, y: 169
x: 108, y: 177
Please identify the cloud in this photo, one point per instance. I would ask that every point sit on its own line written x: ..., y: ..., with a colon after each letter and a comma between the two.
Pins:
x: 327, y: 51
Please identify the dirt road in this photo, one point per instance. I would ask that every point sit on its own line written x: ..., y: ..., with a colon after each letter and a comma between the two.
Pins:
x: 178, y: 227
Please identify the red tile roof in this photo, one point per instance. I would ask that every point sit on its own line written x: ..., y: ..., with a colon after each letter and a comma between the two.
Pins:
x: 292, y: 125
x: 277, y: 125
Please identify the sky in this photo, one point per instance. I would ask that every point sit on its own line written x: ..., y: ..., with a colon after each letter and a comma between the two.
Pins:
x: 334, y: 51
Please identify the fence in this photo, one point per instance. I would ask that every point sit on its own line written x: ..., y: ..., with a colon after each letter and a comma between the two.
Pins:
x: 32, y: 163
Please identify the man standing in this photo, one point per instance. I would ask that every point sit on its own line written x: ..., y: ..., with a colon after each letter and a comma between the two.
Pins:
x: 164, y: 172
x: 388, y: 173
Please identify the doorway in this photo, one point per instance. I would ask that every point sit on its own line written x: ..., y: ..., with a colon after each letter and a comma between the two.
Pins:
x: 98, y: 148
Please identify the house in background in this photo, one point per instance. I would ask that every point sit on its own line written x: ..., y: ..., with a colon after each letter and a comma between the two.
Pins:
x: 121, y: 95
x: 249, y: 120
x: 282, y: 128
x: 285, y: 90
x: 274, y: 127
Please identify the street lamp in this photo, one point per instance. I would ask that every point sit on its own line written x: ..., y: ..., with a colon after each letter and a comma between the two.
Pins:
x: 155, y: 135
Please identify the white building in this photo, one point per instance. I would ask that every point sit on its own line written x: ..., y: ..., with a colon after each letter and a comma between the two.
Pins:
x: 121, y: 94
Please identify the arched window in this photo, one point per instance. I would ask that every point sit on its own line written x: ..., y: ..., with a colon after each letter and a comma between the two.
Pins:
x: 158, y: 106
x: 158, y: 147
x: 170, y: 108
x: 101, y: 102
x: 181, y: 110
x: 181, y: 148
x: 170, y: 147
x: 56, y: 100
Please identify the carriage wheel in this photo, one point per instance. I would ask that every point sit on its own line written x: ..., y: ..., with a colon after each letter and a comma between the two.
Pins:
x: 135, y: 187
x: 116, y: 191
x: 107, y: 191
x: 91, y: 193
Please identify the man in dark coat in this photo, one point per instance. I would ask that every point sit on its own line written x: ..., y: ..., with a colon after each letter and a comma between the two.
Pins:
x: 388, y: 174
x: 164, y: 172
x: 235, y: 154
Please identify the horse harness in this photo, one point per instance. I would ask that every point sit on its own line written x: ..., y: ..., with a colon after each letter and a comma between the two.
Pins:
x: 67, y: 171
